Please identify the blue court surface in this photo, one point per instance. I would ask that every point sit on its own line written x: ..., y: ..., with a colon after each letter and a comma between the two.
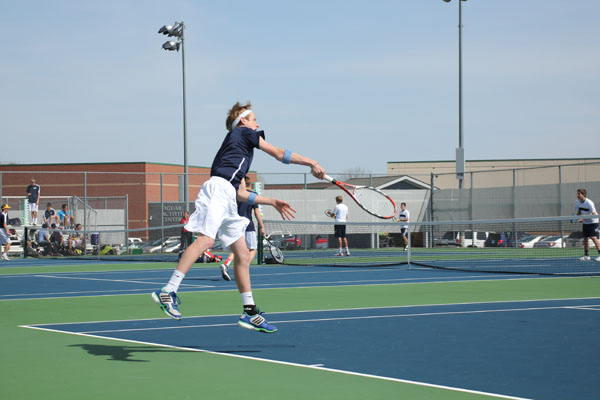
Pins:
x: 95, y: 283
x: 498, y: 348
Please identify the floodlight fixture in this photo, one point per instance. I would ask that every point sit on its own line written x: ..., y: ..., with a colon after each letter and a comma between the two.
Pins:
x: 170, y: 46
x: 167, y: 28
x: 175, y: 30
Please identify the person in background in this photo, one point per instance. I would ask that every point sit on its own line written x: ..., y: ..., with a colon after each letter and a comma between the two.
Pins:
x: 186, y: 236
x: 50, y: 217
x: 33, y: 200
x: 403, y: 217
x: 4, y: 235
x: 43, y: 238
x: 56, y: 239
x: 585, y: 206
x: 340, y: 213
x: 66, y: 219
x: 76, y: 239
x: 245, y: 210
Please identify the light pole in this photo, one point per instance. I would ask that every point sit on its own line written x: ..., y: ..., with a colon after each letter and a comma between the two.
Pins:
x: 177, y: 31
x: 460, y: 151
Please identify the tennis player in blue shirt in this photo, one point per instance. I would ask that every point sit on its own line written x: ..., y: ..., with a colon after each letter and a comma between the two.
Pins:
x: 216, y: 212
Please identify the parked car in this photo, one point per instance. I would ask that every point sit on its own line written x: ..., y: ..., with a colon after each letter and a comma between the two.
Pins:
x: 555, y: 241
x: 447, y: 239
x: 321, y: 242
x: 496, y: 240
x: 159, y: 244
x: 134, y: 242
x: 528, y: 242
x: 173, y: 247
x: 287, y: 242
x: 518, y: 237
x: 575, y: 239
x: 453, y: 238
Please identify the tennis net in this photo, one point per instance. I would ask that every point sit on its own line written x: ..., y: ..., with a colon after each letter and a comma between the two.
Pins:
x: 548, y: 245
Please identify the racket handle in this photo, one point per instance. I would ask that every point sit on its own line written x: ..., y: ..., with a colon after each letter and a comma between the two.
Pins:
x: 330, y: 179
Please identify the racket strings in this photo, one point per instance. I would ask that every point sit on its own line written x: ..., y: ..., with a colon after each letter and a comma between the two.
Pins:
x: 375, y: 201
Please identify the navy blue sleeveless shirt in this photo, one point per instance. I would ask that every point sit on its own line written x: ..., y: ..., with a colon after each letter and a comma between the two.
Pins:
x: 233, y: 159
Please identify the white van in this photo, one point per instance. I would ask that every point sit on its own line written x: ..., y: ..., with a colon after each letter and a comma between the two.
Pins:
x: 453, y: 238
x: 472, y: 239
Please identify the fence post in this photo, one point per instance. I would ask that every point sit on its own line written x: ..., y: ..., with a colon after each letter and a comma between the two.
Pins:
x: 471, y: 198
x: 560, y: 205
x: 514, y: 207
x: 431, y: 210
x: 127, y: 222
x: 162, y: 224
x: 85, y: 224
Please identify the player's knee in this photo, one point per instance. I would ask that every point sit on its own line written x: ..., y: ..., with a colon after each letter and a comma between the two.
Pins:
x: 242, y: 257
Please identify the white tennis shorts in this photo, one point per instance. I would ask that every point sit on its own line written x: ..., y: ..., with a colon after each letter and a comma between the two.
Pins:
x: 33, y: 207
x: 216, y: 212
x: 251, y: 240
x: 4, y: 239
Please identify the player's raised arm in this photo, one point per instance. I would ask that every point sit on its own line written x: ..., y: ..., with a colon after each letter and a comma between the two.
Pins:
x: 287, y: 156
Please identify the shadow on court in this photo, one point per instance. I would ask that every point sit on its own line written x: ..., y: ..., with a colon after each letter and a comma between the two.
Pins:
x: 242, y: 349
x: 121, y: 353
x: 206, y: 279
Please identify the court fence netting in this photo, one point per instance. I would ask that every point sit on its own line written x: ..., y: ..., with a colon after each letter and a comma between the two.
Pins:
x: 545, y: 245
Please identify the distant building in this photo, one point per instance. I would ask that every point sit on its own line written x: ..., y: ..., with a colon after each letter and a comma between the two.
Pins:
x: 141, y: 182
x: 501, y: 173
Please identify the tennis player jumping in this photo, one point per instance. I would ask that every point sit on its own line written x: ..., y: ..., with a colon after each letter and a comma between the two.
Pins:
x: 216, y: 212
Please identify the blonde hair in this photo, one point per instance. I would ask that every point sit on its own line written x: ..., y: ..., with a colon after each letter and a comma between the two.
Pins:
x: 236, y: 110
x: 339, y: 199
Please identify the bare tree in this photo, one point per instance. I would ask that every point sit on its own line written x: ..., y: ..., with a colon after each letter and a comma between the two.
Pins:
x: 356, y: 172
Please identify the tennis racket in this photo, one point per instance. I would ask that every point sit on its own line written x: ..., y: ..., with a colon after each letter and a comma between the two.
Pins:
x: 275, y: 252
x: 372, y: 200
x: 329, y: 213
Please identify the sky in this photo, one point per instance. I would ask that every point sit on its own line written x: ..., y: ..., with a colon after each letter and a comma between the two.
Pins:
x: 351, y: 84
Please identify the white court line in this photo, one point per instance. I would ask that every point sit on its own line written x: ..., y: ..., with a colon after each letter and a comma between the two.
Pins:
x: 317, y: 367
x: 65, y: 273
x: 118, y: 280
x: 295, y: 286
x: 341, y: 309
x: 585, y: 308
x: 344, y: 318
x: 89, y: 293
x: 93, y: 279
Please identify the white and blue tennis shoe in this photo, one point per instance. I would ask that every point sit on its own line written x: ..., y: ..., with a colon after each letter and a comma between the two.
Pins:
x: 256, y: 322
x: 169, y: 302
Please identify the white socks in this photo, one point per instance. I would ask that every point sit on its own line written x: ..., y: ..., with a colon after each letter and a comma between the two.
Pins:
x: 247, y: 298
x: 174, y: 282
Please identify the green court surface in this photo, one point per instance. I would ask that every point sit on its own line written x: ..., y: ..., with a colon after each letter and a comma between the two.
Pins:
x: 50, y: 365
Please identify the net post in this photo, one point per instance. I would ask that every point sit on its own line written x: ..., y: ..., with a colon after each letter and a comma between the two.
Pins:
x: 409, y: 251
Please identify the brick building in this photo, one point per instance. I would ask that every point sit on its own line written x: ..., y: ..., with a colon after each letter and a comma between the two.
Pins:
x: 141, y: 182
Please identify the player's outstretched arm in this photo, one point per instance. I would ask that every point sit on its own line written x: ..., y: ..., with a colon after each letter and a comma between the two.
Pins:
x: 285, y: 210
x: 289, y: 157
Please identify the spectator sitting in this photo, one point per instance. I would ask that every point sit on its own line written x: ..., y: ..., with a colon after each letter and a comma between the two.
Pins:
x: 76, y: 239
x: 56, y: 240
x: 50, y: 216
x: 43, y: 238
x: 66, y: 219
